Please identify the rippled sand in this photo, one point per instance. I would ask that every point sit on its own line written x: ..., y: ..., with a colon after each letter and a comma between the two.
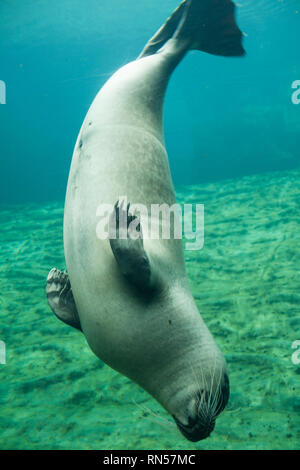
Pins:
x: 55, y: 394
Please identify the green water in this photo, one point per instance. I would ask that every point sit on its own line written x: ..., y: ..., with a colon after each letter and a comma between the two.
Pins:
x: 55, y: 394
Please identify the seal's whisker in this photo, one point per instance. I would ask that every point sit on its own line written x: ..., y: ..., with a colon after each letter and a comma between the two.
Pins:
x: 207, y: 403
x: 204, y: 408
x: 218, y: 391
x: 164, y: 423
x: 217, y: 408
x: 197, y: 393
x: 195, y: 376
x: 155, y: 417
x: 217, y: 388
x: 204, y: 379
x: 203, y: 411
x: 236, y: 410
x: 209, y: 408
x: 217, y: 403
x: 212, y: 380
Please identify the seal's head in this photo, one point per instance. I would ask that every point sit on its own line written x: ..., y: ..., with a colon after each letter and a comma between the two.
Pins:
x: 198, y: 414
x: 199, y: 396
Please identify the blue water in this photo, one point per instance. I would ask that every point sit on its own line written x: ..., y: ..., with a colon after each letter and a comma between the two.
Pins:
x: 223, y: 117
x: 233, y: 136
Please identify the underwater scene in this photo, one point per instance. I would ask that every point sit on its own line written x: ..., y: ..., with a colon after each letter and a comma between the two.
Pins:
x: 132, y: 344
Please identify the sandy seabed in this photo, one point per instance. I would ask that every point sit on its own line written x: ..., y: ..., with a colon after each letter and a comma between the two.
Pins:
x: 55, y: 394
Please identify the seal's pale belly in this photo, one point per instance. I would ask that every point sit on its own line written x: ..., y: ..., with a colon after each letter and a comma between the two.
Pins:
x: 111, y: 161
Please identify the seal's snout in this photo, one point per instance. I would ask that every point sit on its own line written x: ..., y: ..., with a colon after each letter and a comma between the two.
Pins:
x: 196, y: 429
x: 202, y: 412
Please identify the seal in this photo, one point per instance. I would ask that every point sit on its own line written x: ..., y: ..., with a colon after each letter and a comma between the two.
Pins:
x: 130, y: 296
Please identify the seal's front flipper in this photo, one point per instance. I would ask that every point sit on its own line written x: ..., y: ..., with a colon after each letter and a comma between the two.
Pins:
x: 60, y: 298
x: 210, y: 26
x: 126, y: 241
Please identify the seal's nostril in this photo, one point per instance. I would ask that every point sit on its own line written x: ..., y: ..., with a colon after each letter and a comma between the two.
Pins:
x: 198, y: 431
x: 192, y: 420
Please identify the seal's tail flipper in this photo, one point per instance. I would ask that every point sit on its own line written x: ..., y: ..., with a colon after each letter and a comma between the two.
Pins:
x: 206, y: 25
x: 210, y: 26
x: 165, y: 32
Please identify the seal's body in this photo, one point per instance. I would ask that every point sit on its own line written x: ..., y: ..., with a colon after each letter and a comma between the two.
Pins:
x: 132, y: 300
